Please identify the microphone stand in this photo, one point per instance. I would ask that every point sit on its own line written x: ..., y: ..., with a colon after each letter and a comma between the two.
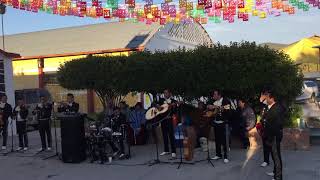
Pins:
x: 53, y: 117
x: 157, y: 160
x: 180, y: 149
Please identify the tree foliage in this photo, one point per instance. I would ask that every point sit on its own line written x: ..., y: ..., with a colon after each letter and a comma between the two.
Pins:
x: 240, y: 70
x: 95, y: 73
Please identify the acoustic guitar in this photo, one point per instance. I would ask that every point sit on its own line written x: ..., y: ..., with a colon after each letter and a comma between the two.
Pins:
x: 215, y: 111
x: 153, y: 112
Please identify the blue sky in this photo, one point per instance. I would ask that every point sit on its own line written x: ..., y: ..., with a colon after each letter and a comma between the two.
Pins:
x: 283, y: 29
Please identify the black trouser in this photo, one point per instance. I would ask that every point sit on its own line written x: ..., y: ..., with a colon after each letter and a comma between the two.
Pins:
x: 45, y: 130
x: 168, y: 134
x: 22, y: 133
x: 267, y: 149
x: 5, y: 132
x: 220, y: 140
x: 276, y: 157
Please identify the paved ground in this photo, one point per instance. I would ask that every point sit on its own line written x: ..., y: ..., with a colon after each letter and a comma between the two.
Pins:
x: 244, y: 165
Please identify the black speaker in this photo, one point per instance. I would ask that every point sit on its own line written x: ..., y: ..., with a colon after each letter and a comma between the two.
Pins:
x: 72, y: 138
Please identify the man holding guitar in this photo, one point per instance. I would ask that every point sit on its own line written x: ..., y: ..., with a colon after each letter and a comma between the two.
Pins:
x: 166, y: 124
x: 221, y: 112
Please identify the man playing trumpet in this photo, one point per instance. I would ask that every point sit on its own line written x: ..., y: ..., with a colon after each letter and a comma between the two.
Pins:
x: 70, y: 106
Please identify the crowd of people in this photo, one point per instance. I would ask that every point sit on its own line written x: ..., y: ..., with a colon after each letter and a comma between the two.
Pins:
x: 219, y: 112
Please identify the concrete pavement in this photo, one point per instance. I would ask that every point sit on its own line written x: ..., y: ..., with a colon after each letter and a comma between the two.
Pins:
x: 244, y: 165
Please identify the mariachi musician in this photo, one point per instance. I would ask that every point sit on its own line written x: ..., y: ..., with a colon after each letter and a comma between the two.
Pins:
x: 20, y: 112
x: 167, y: 124
x: 6, y: 111
x: 221, y: 107
x: 43, y: 111
x: 266, y: 150
x: 70, y: 106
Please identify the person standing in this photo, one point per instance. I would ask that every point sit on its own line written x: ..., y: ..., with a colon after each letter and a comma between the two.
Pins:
x: 20, y: 112
x: 266, y: 150
x: 117, y: 125
x: 124, y: 108
x: 273, y: 132
x: 221, y: 119
x: 70, y: 106
x: 248, y: 122
x: 137, y: 120
x: 167, y: 125
x: 6, y: 110
x: 43, y: 112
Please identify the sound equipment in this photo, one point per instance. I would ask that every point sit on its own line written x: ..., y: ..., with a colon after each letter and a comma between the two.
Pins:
x: 72, y: 137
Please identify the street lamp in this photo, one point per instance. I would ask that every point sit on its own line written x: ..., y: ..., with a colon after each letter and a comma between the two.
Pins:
x: 2, y: 12
x: 318, y: 47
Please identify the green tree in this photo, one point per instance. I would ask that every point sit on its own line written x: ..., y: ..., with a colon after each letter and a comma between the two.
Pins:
x: 239, y: 69
x: 101, y: 74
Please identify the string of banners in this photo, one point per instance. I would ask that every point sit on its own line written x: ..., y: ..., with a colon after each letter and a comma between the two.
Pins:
x: 187, y: 11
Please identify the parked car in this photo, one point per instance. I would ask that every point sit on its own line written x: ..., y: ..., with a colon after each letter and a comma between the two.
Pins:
x: 31, y: 97
x: 309, y: 92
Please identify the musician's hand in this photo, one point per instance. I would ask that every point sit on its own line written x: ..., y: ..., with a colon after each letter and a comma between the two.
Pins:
x: 210, y: 107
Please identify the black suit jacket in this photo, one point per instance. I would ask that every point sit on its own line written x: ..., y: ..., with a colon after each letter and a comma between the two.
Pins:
x: 6, y: 111
x: 43, y: 112
x: 225, y: 114
x: 23, y: 112
x: 273, y: 122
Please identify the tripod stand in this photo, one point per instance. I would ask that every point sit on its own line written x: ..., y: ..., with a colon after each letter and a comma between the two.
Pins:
x: 55, y: 136
x: 208, y: 159
x: 157, y: 160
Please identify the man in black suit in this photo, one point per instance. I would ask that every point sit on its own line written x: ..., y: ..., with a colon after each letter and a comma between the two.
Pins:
x: 43, y: 112
x: 20, y: 112
x: 166, y: 124
x: 220, y: 120
x: 6, y: 110
x: 70, y: 106
x: 273, y: 131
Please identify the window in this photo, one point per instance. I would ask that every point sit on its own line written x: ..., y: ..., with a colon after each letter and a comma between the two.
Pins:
x: 1, y: 78
x: 1, y: 65
x: 2, y: 88
x: 310, y: 84
x: 32, y: 97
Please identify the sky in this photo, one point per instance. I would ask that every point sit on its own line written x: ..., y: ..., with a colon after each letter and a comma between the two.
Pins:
x: 284, y: 29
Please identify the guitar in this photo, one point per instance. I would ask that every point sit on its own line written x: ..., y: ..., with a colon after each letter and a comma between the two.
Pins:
x: 154, y: 111
x: 216, y: 110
